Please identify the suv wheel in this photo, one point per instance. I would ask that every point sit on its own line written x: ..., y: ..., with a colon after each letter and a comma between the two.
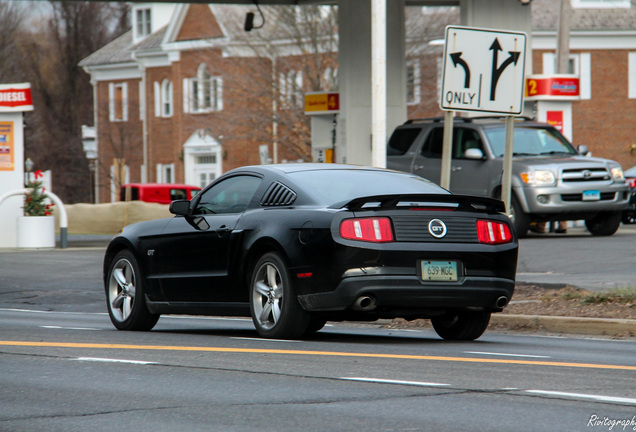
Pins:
x: 604, y: 223
x: 520, y: 219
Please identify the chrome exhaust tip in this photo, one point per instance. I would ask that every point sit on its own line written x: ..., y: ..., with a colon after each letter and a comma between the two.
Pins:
x: 364, y: 303
x: 502, y: 302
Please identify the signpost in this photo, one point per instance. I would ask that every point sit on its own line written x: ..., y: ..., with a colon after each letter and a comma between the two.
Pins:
x: 483, y: 71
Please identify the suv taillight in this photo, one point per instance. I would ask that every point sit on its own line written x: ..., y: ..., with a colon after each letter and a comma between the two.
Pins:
x: 372, y: 229
x: 492, y: 232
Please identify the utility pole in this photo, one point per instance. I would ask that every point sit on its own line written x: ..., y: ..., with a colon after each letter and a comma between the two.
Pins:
x: 563, y: 38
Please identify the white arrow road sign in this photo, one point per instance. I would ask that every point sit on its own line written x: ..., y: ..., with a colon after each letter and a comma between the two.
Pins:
x: 483, y: 70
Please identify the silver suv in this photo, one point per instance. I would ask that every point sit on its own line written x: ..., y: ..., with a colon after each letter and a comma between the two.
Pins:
x: 551, y: 180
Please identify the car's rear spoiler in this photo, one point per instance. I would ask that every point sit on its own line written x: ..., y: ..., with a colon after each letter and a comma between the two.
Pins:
x: 464, y: 202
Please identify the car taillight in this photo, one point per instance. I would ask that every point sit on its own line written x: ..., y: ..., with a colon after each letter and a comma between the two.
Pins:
x: 373, y: 229
x: 632, y: 182
x: 492, y: 232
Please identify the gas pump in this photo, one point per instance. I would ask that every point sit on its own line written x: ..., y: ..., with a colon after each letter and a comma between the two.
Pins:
x: 323, y: 109
x: 14, y: 100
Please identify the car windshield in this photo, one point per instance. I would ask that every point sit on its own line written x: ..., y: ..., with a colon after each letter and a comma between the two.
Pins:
x: 335, y: 186
x: 530, y: 142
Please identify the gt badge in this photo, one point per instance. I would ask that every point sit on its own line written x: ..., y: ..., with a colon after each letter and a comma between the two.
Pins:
x: 437, y: 228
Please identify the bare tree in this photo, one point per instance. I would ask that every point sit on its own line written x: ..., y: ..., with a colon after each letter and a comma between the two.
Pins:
x: 11, y: 18
x: 62, y: 92
x: 298, y: 46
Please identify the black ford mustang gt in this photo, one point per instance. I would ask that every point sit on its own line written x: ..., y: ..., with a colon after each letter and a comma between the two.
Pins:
x: 296, y: 245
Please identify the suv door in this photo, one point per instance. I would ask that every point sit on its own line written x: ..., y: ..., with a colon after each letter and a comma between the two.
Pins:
x: 468, y: 176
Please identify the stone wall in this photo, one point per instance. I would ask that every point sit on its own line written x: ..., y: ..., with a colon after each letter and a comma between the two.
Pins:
x: 110, y: 218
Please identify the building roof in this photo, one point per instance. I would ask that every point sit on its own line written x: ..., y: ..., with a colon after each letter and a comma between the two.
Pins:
x: 544, y: 18
x: 545, y: 15
x: 117, y: 51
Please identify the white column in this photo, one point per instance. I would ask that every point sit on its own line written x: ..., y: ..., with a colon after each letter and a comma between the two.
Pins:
x: 355, y: 123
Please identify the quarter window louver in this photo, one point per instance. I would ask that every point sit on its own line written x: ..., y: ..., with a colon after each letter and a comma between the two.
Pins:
x: 278, y: 195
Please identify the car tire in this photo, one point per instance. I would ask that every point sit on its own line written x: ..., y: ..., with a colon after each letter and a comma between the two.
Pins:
x: 274, y: 306
x: 125, y: 295
x: 462, y: 325
x: 316, y: 324
x: 604, y: 224
x: 519, y: 218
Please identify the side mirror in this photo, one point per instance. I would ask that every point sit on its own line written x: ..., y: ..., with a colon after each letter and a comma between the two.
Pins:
x: 474, y: 153
x: 582, y: 149
x: 180, y: 207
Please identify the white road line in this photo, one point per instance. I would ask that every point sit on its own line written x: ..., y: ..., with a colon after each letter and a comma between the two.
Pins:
x: 265, y: 340
x: 386, y: 381
x: 505, y: 354
x: 70, y: 328
x: 107, y: 360
x: 599, y: 398
x: 50, y: 312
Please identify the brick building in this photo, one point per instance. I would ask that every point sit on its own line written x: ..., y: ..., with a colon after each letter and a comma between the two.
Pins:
x: 184, y: 96
x: 187, y: 94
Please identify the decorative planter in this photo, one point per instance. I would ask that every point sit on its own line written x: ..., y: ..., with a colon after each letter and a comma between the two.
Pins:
x: 36, y: 232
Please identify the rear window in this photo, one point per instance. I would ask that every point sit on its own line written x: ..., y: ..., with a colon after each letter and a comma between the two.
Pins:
x: 401, y: 141
x: 335, y: 186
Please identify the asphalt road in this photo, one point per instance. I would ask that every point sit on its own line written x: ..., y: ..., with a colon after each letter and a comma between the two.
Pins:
x: 65, y: 371
x: 70, y: 279
x: 579, y: 259
x: 63, y: 367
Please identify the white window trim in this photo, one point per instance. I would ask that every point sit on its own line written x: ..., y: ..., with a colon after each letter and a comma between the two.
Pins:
x: 415, y: 64
x: 164, y: 98
x: 601, y: 4
x: 582, y: 68
x: 162, y: 171
x: 112, y: 101
x: 631, y: 75
x: 146, y: 26
x: 157, y: 91
x: 216, y: 93
x: 291, y: 88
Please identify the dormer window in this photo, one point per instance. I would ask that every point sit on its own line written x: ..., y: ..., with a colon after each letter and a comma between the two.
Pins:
x: 143, y: 22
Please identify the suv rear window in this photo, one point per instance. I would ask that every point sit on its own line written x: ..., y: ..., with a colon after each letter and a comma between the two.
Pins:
x: 401, y: 141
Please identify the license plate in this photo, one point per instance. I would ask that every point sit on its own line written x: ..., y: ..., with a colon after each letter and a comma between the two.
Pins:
x: 439, y: 271
x: 591, y: 195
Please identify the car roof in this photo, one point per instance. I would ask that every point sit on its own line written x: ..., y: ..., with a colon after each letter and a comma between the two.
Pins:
x: 487, y: 121
x: 301, y: 167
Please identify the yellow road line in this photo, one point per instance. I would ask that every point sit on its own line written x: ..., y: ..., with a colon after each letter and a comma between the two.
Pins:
x: 311, y: 353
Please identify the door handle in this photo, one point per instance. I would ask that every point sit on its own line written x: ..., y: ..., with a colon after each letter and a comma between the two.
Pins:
x: 456, y: 168
x: 223, y: 230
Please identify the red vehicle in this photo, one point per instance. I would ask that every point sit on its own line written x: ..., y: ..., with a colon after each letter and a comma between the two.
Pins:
x: 162, y: 193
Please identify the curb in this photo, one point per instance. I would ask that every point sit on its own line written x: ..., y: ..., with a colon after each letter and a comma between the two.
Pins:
x: 570, y: 325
